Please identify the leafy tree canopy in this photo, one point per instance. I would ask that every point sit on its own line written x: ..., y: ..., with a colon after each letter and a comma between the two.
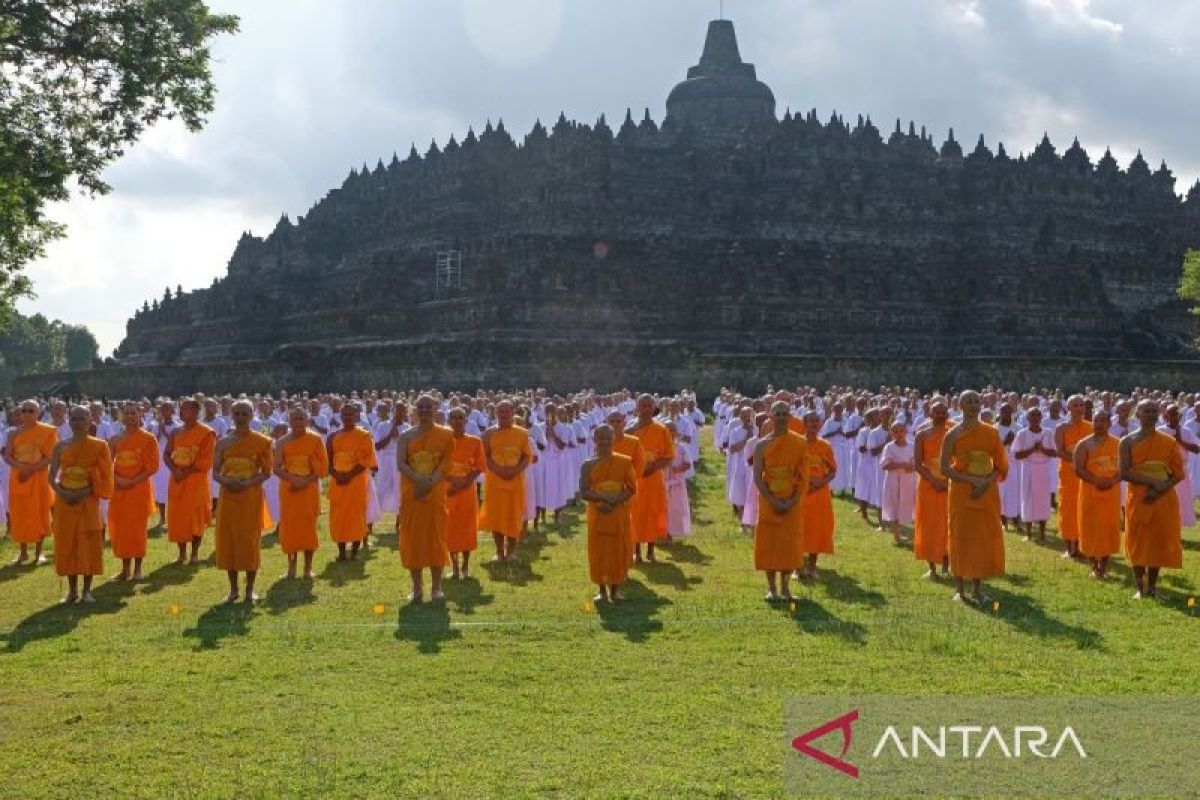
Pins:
x: 80, y: 80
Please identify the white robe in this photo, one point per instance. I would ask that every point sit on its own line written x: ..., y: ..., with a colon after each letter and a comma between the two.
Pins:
x: 1010, y: 487
x: 735, y: 465
x: 899, y: 492
x: 1035, y: 475
x: 1183, y: 489
x: 877, y: 438
x: 387, y: 479
x: 679, y: 509
x: 162, y: 478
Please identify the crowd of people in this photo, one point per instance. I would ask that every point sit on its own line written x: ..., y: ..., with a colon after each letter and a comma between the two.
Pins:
x: 447, y: 466
x: 958, y: 469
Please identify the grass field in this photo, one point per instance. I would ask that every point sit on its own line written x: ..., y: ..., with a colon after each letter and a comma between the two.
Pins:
x: 517, y: 685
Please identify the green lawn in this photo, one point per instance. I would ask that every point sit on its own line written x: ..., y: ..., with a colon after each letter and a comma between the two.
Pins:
x: 517, y: 686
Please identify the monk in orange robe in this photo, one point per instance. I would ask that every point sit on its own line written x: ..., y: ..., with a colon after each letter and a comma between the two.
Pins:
x: 631, y: 448
x: 1096, y: 461
x: 650, y: 513
x: 424, y: 455
x: 80, y: 475
x: 189, y: 457
x: 351, y: 452
x: 462, y: 502
x: 974, y: 460
x: 1066, y: 436
x: 27, y: 451
x: 300, y: 463
x: 817, y: 531
x: 242, y: 464
x: 508, y: 454
x: 930, y: 534
x: 606, y: 483
x: 135, y: 460
x: 781, y: 477
x: 1152, y: 464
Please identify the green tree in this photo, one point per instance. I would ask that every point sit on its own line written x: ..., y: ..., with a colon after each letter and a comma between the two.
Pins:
x: 80, y: 348
x: 1189, y: 282
x: 80, y: 80
x: 36, y: 344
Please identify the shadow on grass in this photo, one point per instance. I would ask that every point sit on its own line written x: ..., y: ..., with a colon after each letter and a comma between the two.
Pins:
x: 387, y: 541
x: 1021, y: 612
x: 170, y: 574
x: 59, y: 620
x: 466, y: 594
x: 13, y: 571
x: 427, y: 625
x: 569, y: 522
x: 1015, y: 579
x: 634, y: 617
x: 812, y: 617
x: 686, y: 553
x: 1167, y: 596
x: 221, y: 621
x: 849, y: 590
x: 518, y: 570
x: 664, y: 573
x: 287, y: 593
x: 339, y: 573
x: 269, y: 540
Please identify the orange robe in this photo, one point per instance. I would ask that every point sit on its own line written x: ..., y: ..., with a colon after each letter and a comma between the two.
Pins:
x: 29, y: 501
x: 129, y: 509
x: 504, y: 500
x: 1068, y: 481
x: 778, y: 539
x: 1100, y: 511
x: 298, y: 511
x: 608, y: 544
x: 348, y: 503
x: 631, y: 448
x: 817, y: 533
x: 976, y: 538
x: 423, y: 520
x: 189, y: 501
x: 1153, y: 533
x: 242, y: 516
x: 78, y: 529
x: 930, y: 532
x: 649, y: 514
x: 462, y: 508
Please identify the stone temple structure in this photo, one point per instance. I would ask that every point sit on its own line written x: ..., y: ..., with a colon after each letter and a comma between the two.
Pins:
x: 725, y: 245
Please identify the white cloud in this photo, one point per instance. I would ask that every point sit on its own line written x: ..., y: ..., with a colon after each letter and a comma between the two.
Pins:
x: 1076, y: 15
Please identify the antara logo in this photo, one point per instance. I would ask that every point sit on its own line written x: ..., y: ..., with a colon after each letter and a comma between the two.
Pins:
x: 947, y: 741
x: 844, y: 723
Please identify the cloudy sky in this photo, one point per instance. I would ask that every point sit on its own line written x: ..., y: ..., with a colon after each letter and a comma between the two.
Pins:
x: 309, y: 88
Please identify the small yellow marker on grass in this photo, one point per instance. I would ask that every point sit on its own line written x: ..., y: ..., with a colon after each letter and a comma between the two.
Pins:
x: 174, y: 609
x: 1192, y: 605
x: 995, y: 606
x: 379, y: 608
x: 588, y: 607
x: 793, y: 607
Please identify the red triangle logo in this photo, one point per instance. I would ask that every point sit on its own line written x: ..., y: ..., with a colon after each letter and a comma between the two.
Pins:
x: 844, y: 723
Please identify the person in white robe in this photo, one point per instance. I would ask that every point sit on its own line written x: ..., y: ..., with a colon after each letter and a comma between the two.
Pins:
x: 898, y: 495
x: 1034, y: 449
x: 1010, y: 487
x: 1188, y: 446
x: 737, y: 433
x: 864, y: 476
x: 162, y: 428
x: 387, y: 432
x: 679, y: 509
